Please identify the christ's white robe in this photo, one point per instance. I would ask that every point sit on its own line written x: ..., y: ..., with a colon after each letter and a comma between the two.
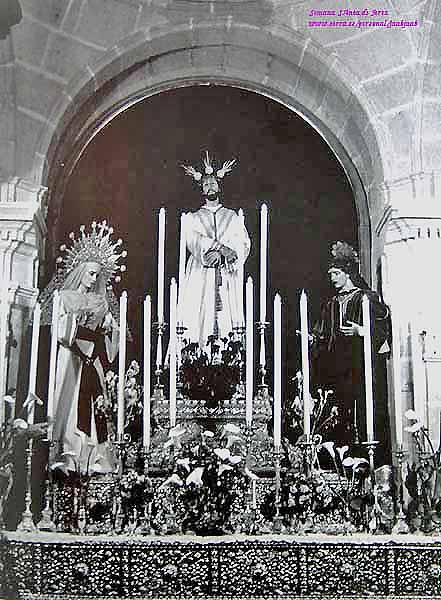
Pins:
x: 199, y: 310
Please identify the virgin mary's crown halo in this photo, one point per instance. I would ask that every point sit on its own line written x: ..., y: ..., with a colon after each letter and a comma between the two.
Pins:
x: 94, y: 246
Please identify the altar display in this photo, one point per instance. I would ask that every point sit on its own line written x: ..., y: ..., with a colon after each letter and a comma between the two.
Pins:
x: 192, y: 439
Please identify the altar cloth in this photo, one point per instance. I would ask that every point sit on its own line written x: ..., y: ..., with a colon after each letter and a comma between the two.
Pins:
x: 60, y: 566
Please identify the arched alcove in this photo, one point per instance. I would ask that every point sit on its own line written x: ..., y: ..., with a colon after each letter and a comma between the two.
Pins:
x: 274, y: 62
x: 132, y: 167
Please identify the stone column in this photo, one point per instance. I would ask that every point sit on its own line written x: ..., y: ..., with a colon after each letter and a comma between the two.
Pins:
x: 22, y: 238
x: 412, y: 258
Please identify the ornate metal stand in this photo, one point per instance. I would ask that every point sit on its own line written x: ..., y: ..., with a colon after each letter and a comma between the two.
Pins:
x: 120, y: 444
x: 27, y: 521
x: 261, y: 326
x: 373, y: 513
x: 277, y: 521
x: 307, y: 448
x: 400, y: 526
x: 239, y: 333
x: 180, y: 330
x: 145, y: 528
x: 159, y: 362
x: 46, y: 522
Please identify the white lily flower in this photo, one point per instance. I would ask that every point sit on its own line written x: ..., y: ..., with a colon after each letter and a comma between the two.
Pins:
x: 359, y: 461
x: 223, y: 468
x: 174, y: 479
x: 31, y: 400
x: 230, y: 428
x: 207, y: 433
x: 329, y: 447
x: 58, y: 465
x: 348, y: 462
x: 176, y: 431
x: 195, y: 477
x: 185, y: 462
x: 234, y: 459
x: 222, y: 453
x: 69, y: 453
x: 342, y: 451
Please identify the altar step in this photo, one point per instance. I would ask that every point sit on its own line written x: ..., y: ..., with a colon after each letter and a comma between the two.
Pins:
x: 67, y: 567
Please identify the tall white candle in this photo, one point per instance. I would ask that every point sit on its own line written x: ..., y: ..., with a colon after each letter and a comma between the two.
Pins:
x: 368, y: 369
x: 240, y: 273
x: 249, y: 352
x: 161, y: 256
x: 146, y: 430
x: 121, y: 361
x: 263, y: 260
x: 53, y: 362
x: 396, y: 362
x: 172, y: 346
x: 34, y: 360
x: 305, y: 363
x: 182, y: 257
x: 277, y: 372
x: 4, y: 314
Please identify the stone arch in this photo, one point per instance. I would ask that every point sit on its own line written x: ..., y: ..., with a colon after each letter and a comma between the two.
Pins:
x: 273, y: 61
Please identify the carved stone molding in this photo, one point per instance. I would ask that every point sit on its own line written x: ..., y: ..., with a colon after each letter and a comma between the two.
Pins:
x: 22, y: 231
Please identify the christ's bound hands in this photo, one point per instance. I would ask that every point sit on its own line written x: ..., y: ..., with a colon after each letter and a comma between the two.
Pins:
x: 229, y: 254
x: 212, y: 258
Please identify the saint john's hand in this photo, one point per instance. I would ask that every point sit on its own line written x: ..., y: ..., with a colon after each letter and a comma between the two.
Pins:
x: 352, y: 329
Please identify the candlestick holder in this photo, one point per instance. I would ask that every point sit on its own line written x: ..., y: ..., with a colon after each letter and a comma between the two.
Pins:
x: 400, y: 526
x: 161, y: 327
x: 373, y: 513
x: 239, y: 335
x: 145, y: 527
x: 261, y: 327
x: 307, y: 448
x: 46, y: 522
x: 180, y: 330
x: 119, y: 443
x: 277, y: 520
x: 27, y: 521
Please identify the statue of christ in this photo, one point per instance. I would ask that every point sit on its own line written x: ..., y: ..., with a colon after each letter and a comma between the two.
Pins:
x: 211, y: 294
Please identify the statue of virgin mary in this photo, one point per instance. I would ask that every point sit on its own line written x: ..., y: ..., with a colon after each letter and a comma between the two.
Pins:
x: 88, y: 338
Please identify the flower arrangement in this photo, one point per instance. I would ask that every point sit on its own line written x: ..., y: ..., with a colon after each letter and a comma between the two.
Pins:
x: 106, y: 405
x: 324, y: 414
x: 308, y: 491
x: 423, y: 479
x: 12, y: 430
x: 212, y: 376
x: 209, y: 476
